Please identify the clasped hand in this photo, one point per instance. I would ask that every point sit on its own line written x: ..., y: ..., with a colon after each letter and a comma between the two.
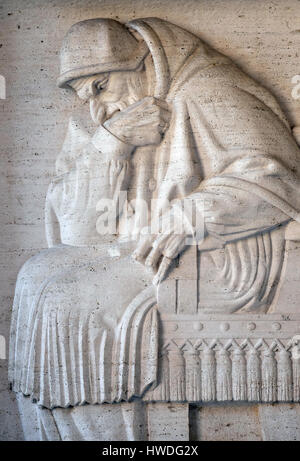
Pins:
x: 142, y: 123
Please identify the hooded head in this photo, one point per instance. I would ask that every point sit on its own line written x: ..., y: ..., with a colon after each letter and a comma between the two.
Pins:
x: 97, y: 46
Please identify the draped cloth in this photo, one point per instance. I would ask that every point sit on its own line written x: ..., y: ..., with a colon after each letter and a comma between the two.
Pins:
x: 71, y: 346
x: 229, y: 146
x: 243, y: 276
x: 227, y: 136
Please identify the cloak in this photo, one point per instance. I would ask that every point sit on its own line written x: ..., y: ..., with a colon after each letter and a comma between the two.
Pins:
x: 226, y: 132
x: 228, y: 145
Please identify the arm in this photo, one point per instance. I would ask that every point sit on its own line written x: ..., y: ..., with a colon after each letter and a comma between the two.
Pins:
x: 224, y: 208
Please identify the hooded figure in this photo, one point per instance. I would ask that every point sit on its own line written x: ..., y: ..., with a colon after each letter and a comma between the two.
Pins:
x: 227, y: 145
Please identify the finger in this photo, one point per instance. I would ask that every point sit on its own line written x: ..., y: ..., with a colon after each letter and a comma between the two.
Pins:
x: 174, y: 246
x: 152, y: 106
x: 151, y: 115
x: 156, y: 115
x: 145, y: 102
x: 162, y: 271
x: 153, y: 257
x: 152, y: 120
x: 156, y: 252
x: 143, y: 247
x: 141, y: 252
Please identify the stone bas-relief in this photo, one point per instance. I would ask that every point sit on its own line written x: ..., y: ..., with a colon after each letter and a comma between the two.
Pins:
x: 195, y: 310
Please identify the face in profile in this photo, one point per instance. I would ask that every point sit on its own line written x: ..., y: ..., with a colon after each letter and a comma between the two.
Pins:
x: 108, y: 93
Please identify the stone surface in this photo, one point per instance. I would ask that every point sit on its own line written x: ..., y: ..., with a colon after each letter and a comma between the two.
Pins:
x: 25, y: 187
x: 168, y: 421
x: 240, y: 422
x: 225, y: 422
x: 280, y: 422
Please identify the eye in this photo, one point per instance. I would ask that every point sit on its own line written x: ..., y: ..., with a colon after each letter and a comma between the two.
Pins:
x: 100, y: 85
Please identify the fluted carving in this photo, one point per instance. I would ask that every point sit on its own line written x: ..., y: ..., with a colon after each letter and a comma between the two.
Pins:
x: 225, y: 370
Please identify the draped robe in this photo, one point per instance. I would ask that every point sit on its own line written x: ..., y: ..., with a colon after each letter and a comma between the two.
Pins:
x: 229, y: 145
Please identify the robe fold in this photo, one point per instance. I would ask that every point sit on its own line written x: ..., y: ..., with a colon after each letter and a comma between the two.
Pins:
x: 229, y: 146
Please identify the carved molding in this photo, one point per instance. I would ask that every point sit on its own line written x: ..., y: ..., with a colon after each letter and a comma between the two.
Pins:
x: 171, y: 301
x: 243, y: 358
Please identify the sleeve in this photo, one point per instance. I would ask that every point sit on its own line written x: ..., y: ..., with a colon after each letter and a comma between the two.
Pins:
x: 242, y: 201
x: 230, y: 214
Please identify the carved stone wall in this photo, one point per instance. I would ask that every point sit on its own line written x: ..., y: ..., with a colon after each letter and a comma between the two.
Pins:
x: 263, y: 38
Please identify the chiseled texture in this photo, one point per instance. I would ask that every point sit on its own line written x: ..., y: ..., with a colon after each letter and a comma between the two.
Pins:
x: 40, y: 140
x: 227, y: 136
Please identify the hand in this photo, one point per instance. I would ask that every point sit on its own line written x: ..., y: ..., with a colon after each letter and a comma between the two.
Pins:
x: 158, y: 250
x: 142, y: 123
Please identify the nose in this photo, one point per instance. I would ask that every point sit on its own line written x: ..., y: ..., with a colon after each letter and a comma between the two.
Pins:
x: 87, y: 91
